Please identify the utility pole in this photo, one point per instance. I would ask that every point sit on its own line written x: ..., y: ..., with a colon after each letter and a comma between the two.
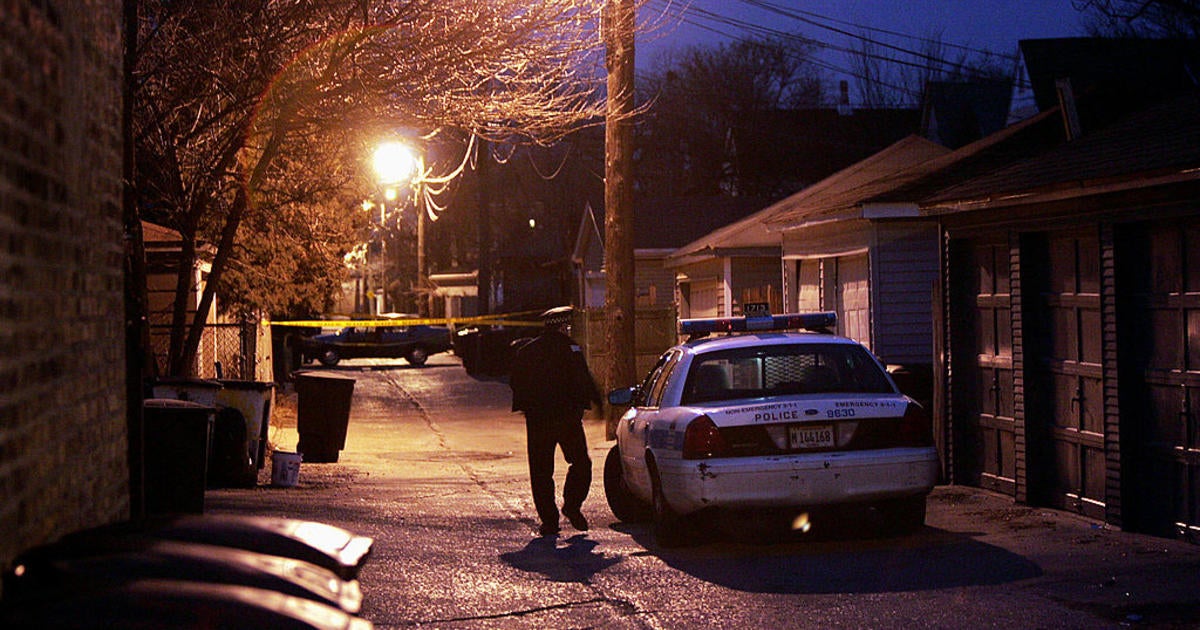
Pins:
x: 484, y: 278
x: 619, y: 24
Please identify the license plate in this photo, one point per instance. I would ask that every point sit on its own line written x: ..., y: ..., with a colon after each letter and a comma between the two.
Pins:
x: 811, y: 436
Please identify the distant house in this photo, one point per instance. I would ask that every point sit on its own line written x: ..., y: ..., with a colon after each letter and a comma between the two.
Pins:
x: 957, y: 113
x: 743, y: 261
x: 242, y: 349
x: 660, y: 226
x: 772, y: 153
x: 789, y: 150
x: 162, y: 247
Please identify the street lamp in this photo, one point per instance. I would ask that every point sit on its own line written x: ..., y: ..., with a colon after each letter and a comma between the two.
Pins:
x: 396, y: 163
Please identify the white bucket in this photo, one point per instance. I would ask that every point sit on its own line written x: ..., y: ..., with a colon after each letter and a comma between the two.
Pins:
x: 285, y: 469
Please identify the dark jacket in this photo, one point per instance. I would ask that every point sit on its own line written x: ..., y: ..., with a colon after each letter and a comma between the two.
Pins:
x: 550, y: 375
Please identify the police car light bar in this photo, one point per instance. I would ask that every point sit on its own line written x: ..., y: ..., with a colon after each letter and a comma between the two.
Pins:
x: 807, y: 321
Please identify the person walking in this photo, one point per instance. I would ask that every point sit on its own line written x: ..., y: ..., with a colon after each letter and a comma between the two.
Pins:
x: 552, y: 385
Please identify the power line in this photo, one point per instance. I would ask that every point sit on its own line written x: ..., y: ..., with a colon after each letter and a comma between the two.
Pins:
x: 728, y: 26
x: 795, y: 13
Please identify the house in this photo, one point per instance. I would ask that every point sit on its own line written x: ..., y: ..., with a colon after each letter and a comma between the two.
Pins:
x: 957, y: 113
x: 241, y: 349
x: 661, y: 225
x: 768, y: 153
x: 162, y: 246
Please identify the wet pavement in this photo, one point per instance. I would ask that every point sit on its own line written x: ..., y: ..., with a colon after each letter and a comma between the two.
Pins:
x: 434, y: 470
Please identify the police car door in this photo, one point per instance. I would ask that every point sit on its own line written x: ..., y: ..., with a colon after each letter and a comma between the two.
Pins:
x: 646, y: 410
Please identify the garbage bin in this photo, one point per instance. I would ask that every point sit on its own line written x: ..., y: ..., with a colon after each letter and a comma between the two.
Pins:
x: 230, y: 464
x: 177, y: 436
x: 176, y: 604
x: 322, y: 414
x: 199, y: 390
x: 253, y: 400
x: 466, y: 346
x: 497, y: 349
x: 333, y: 548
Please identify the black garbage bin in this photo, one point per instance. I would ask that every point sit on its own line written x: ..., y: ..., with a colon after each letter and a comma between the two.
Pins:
x: 322, y: 414
x: 177, y: 436
x: 466, y: 346
x: 230, y: 464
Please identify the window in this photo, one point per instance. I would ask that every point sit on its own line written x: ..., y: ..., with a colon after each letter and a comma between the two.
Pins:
x: 782, y: 370
x: 651, y: 388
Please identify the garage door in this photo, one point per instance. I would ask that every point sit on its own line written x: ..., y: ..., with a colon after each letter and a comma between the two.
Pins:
x: 1161, y: 396
x: 987, y: 406
x: 1064, y: 337
x: 705, y: 298
x: 854, y: 301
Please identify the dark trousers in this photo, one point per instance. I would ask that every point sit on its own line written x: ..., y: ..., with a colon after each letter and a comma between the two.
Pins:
x: 543, y: 434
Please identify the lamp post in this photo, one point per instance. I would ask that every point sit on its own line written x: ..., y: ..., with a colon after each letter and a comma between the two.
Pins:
x: 395, y: 163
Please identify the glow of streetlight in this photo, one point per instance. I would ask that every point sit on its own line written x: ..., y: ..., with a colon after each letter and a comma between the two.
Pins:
x: 394, y: 163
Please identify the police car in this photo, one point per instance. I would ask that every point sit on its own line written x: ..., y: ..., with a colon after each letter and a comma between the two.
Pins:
x: 782, y: 417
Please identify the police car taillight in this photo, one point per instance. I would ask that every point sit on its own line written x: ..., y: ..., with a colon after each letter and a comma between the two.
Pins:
x: 703, y: 439
x: 807, y: 321
x: 916, y: 429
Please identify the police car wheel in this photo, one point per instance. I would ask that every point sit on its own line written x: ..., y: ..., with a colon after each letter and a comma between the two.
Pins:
x: 626, y: 507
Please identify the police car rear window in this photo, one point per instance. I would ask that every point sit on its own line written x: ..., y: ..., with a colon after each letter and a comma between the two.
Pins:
x: 780, y: 370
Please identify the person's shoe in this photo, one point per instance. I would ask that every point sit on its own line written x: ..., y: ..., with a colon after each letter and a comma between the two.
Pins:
x: 548, y: 529
x: 577, y: 520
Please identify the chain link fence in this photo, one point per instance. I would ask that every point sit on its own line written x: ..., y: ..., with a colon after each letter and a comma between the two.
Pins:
x: 237, y: 351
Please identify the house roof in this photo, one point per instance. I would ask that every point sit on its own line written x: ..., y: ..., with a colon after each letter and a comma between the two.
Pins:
x: 1160, y: 141
x: 836, y: 192
x: 845, y: 190
x: 155, y: 233
x: 1019, y: 141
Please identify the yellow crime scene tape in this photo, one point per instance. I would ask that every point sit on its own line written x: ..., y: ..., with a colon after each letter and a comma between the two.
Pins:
x: 504, y: 319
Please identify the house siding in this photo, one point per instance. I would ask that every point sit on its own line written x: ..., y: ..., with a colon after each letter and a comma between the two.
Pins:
x: 655, y: 283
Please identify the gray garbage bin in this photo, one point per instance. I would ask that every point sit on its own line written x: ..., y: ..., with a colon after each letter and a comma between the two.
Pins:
x: 252, y: 399
x: 199, y: 390
x: 322, y: 414
x: 177, y: 435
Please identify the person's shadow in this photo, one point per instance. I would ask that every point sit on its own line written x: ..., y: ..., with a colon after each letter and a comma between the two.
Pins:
x: 577, y: 561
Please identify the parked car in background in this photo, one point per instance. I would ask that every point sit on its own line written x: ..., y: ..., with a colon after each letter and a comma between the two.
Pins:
x: 776, y: 423
x: 412, y: 342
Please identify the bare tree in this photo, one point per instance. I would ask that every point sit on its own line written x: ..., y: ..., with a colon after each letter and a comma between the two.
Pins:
x: 701, y: 97
x: 259, y: 114
x: 1142, y: 18
x: 887, y: 76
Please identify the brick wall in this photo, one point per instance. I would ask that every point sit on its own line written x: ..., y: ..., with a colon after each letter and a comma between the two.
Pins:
x: 62, y: 405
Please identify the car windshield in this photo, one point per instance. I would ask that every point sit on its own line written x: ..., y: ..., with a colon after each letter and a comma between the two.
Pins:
x: 777, y: 370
